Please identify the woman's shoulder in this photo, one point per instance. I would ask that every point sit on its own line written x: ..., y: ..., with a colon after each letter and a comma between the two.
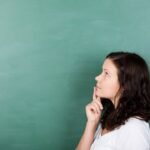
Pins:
x: 136, y: 123
x: 135, y: 127
x: 134, y: 133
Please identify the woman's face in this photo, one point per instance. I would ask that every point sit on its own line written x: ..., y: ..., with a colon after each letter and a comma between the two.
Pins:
x: 107, y: 82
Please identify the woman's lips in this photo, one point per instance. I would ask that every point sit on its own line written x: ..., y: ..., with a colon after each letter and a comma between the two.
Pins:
x: 98, y: 91
x: 98, y: 87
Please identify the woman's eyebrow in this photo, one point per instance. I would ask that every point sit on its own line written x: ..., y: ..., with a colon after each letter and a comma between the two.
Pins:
x: 105, y: 69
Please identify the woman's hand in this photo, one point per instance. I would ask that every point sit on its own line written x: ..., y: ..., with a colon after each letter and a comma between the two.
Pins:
x: 93, y: 112
x: 93, y: 109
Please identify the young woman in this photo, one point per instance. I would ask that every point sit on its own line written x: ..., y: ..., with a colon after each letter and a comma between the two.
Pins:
x: 125, y: 81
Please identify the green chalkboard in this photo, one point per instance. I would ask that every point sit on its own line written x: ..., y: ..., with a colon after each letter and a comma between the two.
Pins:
x: 50, y: 53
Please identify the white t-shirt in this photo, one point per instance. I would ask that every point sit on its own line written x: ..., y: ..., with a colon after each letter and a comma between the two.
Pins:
x: 134, y: 135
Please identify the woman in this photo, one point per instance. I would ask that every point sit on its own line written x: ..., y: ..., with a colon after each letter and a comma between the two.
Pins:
x: 125, y: 80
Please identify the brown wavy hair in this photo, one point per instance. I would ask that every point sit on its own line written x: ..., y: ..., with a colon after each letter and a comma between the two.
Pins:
x: 134, y: 79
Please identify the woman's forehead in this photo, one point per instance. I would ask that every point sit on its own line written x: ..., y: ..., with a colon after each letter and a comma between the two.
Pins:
x: 109, y: 66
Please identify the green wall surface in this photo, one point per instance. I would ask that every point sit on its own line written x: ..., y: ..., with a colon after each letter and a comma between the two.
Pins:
x: 50, y: 53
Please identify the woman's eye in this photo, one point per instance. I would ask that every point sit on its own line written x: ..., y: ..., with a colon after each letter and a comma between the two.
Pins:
x: 106, y: 73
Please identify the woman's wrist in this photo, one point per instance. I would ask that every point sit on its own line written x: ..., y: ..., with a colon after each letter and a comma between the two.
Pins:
x: 91, y: 125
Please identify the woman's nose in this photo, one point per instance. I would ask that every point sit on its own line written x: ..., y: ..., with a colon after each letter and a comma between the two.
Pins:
x: 97, y: 78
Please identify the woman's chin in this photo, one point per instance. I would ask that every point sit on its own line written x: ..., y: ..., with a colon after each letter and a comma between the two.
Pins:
x: 98, y: 95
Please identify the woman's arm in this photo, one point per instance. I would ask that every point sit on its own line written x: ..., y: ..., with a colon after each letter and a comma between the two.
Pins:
x: 93, y: 113
x: 87, y: 137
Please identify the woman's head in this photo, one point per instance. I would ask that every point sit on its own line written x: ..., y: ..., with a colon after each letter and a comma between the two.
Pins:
x: 133, y: 92
x: 133, y: 74
x: 107, y: 82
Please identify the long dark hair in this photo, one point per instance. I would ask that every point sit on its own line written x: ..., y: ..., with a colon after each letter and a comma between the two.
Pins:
x: 134, y: 79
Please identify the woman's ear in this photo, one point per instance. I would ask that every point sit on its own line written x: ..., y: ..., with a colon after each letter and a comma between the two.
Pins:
x: 118, y: 95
